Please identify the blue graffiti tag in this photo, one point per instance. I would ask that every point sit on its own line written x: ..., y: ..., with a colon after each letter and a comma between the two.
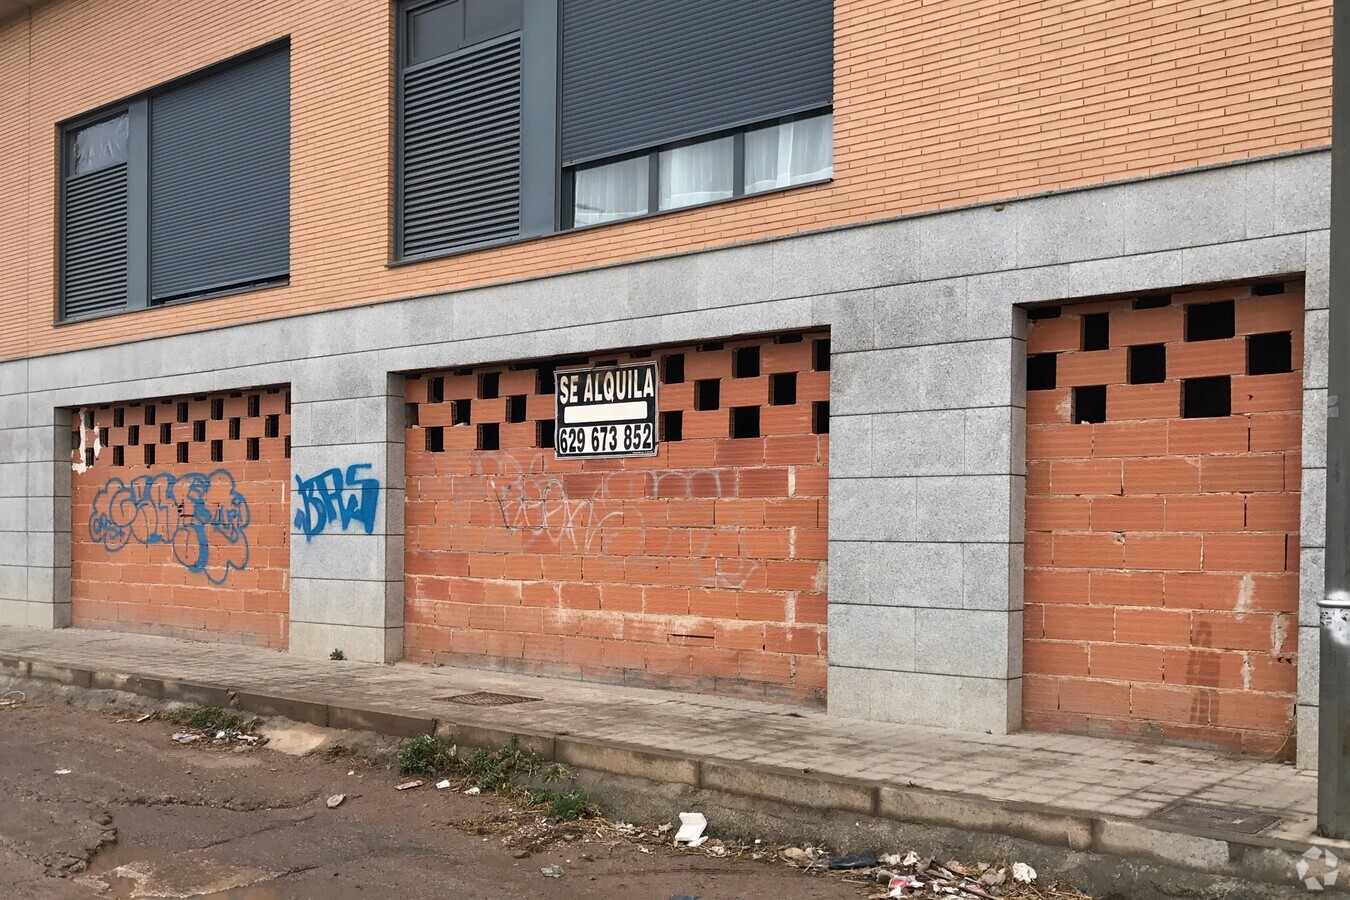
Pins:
x: 203, y: 517
x: 325, y: 499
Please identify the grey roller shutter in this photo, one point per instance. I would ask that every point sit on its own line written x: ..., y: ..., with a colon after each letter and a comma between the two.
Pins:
x: 637, y: 73
x: 220, y: 180
x: 94, y: 235
x: 461, y: 149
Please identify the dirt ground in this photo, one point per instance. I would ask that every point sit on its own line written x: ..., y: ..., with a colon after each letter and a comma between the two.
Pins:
x: 138, y: 815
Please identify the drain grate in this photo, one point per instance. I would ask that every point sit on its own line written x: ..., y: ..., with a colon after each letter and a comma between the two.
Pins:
x: 487, y: 698
x: 1222, y: 818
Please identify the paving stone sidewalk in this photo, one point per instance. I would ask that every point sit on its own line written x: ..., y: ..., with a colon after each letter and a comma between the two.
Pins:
x: 1075, y: 774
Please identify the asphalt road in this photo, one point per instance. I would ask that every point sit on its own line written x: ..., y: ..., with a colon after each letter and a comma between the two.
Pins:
x: 138, y: 815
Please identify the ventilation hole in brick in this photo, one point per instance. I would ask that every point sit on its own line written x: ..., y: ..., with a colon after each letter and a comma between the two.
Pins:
x: 745, y: 422
x: 672, y: 425
x: 745, y: 362
x: 119, y: 417
x: 707, y: 394
x: 150, y: 415
x: 1097, y: 331
x: 288, y: 403
x: 183, y: 411
x: 1209, y: 321
x: 488, y: 385
x: 435, y: 390
x: 1269, y: 289
x: 640, y: 354
x: 410, y: 415
x: 820, y: 417
x: 119, y: 456
x: 673, y: 369
x: 605, y: 363
x: 710, y: 346
x: 794, y: 337
x: 489, y: 436
x: 1041, y: 368
x: 133, y: 435
x: 217, y: 451
x: 272, y: 426
x: 234, y: 429
x: 166, y: 433
x: 149, y: 454
x: 217, y: 409
x: 253, y: 449
x: 199, y: 430
x: 272, y: 390
x: 254, y: 405
x: 286, y: 447
x: 459, y: 412
x: 1206, y: 398
x: 543, y: 433
x: 515, y: 408
x: 1270, y: 354
x: 183, y: 451
x: 1089, y: 404
x: 783, y: 389
x: 435, y: 440
x: 1153, y: 301
x: 820, y: 356
x: 547, y: 383
x: 1044, y: 312
x: 1148, y: 364
x: 87, y: 419
x: 463, y: 370
x: 103, y: 435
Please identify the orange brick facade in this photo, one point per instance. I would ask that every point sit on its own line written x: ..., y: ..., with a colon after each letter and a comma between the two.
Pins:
x: 1162, y: 552
x: 180, y: 517
x: 936, y: 105
x: 701, y: 568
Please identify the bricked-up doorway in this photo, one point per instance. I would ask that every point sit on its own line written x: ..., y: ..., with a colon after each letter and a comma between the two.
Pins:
x: 1162, y: 545
x: 701, y: 569
x: 180, y: 517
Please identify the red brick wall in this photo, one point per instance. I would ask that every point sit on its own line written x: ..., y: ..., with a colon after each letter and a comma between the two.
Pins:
x: 702, y: 568
x: 1162, y: 551
x: 180, y: 517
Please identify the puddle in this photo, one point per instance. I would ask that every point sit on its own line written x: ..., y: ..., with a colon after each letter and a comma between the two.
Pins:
x: 121, y: 872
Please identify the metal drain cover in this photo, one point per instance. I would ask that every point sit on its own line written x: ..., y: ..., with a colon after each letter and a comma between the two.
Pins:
x: 1222, y: 818
x: 487, y: 698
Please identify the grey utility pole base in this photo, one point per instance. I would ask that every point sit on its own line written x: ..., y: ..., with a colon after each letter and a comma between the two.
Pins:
x: 1333, y: 749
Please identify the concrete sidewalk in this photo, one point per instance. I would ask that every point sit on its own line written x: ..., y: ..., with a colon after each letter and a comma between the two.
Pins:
x: 1067, y: 791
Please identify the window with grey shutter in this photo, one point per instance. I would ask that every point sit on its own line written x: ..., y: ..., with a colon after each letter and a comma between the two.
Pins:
x: 640, y: 73
x: 460, y: 126
x: 220, y: 180
x: 94, y: 225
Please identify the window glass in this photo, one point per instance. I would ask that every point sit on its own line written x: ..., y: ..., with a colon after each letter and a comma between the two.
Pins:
x: 433, y: 31
x: 697, y: 173
x: 485, y: 19
x: 101, y: 145
x: 789, y: 153
x: 614, y: 191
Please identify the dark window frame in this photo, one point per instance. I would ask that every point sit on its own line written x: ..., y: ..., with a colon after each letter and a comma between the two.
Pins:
x: 738, y: 191
x: 137, y: 107
x: 547, y: 186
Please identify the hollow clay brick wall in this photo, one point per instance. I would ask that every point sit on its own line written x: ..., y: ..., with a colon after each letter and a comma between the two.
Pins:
x: 702, y: 568
x: 180, y: 517
x: 1162, y: 552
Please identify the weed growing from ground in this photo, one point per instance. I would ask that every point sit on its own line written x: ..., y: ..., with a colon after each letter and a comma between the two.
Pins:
x: 425, y: 755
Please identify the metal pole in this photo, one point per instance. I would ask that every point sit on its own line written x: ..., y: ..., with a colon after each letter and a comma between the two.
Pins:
x: 1333, y: 751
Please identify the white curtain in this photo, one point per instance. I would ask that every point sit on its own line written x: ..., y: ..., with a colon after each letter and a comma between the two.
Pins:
x: 789, y: 153
x: 697, y: 173
x: 101, y: 145
x: 614, y: 191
